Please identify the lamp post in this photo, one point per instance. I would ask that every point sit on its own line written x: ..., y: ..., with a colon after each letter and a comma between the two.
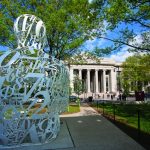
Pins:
x: 119, y: 83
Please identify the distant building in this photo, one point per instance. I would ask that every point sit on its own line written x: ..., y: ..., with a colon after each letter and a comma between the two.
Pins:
x: 99, y: 79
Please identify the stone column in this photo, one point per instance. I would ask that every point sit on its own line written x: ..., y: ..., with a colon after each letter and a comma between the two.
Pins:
x: 96, y: 80
x: 88, y: 80
x: 71, y: 79
x: 104, y: 81
x: 80, y: 74
x: 113, y: 81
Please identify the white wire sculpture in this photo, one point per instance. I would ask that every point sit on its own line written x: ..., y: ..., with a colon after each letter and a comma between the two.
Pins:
x: 33, y: 87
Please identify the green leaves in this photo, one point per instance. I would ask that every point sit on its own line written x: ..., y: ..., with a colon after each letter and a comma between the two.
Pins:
x: 68, y: 23
x: 136, y: 71
x: 78, y: 85
x: 124, y: 17
x: 127, y: 11
x: 115, y: 12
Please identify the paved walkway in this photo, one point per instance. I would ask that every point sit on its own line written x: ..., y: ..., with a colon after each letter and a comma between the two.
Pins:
x: 97, y: 133
x: 86, y: 130
x: 85, y: 110
x: 91, y: 131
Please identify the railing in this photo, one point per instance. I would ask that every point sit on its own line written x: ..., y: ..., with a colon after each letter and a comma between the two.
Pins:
x: 134, y: 115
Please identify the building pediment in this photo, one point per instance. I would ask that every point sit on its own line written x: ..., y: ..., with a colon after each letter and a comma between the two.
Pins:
x: 87, y: 58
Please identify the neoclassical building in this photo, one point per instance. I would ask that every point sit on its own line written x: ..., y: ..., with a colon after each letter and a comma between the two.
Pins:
x: 98, y: 79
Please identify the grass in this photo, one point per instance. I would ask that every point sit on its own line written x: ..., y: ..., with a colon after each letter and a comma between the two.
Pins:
x: 128, y: 114
x: 72, y: 108
x: 9, y: 113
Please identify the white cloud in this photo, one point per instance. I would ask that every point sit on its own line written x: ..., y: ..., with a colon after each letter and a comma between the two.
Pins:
x: 136, y: 40
x: 121, y: 55
x: 91, y: 44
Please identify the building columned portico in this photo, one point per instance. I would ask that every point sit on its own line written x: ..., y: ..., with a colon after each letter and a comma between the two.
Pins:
x: 98, y: 79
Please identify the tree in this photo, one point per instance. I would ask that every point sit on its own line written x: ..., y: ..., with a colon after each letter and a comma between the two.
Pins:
x: 135, y: 73
x: 83, y: 58
x: 123, y: 17
x: 1, y: 53
x: 78, y: 85
x: 69, y: 23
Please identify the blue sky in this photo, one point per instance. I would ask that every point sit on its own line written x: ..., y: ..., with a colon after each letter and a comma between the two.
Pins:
x: 123, y: 53
x: 3, y: 48
x: 119, y: 56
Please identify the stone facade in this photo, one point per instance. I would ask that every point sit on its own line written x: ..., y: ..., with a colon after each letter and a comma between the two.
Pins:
x: 98, y: 79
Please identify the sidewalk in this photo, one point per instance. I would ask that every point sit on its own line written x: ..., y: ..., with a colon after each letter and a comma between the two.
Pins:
x: 91, y: 131
x: 97, y: 133
x: 86, y: 130
x: 85, y: 110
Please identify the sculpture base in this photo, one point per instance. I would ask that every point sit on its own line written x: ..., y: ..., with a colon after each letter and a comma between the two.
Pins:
x: 63, y: 140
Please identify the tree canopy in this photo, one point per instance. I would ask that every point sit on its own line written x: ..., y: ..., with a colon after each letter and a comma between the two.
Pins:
x: 128, y: 24
x: 69, y: 23
x: 78, y: 85
x: 136, y: 72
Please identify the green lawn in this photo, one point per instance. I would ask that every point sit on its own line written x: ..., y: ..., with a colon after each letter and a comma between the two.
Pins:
x: 128, y: 114
x: 72, y: 109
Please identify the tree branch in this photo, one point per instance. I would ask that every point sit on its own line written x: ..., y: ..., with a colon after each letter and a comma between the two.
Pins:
x: 124, y: 43
x: 141, y: 23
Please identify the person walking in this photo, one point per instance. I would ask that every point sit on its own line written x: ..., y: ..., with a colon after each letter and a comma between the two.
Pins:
x: 111, y: 97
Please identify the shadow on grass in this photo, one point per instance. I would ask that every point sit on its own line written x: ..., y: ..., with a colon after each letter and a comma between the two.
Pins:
x: 142, y: 137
